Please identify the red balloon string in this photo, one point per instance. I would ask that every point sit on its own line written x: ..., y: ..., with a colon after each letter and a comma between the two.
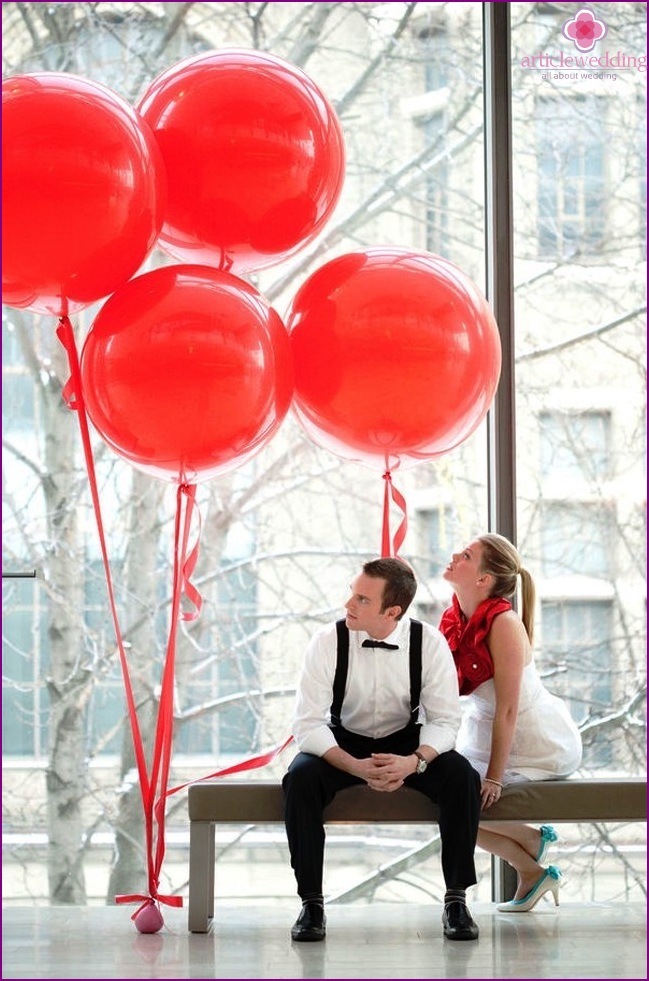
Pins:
x: 225, y: 262
x: 252, y: 763
x: 72, y: 393
x: 139, y: 897
x: 391, y: 547
x: 153, y: 785
x: 183, y: 566
x: 189, y: 563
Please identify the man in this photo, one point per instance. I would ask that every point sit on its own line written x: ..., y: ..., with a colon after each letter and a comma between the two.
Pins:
x: 384, y: 716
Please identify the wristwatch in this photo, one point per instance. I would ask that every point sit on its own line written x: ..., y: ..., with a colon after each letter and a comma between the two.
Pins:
x: 422, y: 764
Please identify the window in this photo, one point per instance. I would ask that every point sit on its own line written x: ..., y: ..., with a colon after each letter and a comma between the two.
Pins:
x: 437, y: 190
x: 19, y: 398
x: 25, y: 646
x: 434, y: 46
x: 571, y: 195
x: 234, y: 672
x: 575, y: 446
x: 240, y: 671
x: 577, y: 643
x: 438, y: 530
x: 435, y: 52
x: 576, y: 539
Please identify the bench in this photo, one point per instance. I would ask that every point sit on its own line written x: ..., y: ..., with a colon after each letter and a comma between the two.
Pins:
x: 262, y: 802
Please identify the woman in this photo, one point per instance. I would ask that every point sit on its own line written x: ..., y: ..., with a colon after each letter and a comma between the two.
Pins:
x: 513, y: 728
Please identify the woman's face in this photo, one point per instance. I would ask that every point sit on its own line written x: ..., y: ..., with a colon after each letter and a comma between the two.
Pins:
x: 464, y: 568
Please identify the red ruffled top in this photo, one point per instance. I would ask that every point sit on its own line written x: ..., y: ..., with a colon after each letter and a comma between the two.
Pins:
x: 467, y: 640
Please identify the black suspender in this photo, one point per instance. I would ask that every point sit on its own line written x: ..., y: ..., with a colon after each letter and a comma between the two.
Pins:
x: 342, y: 665
x: 340, y: 677
x: 416, y: 633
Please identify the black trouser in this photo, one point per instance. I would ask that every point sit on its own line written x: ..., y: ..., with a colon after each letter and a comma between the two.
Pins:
x: 449, y: 781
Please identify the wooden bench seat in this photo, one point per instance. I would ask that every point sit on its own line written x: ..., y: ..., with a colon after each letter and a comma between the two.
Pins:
x: 261, y: 802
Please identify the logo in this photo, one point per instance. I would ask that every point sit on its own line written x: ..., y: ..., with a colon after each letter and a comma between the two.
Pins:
x: 584, y: 30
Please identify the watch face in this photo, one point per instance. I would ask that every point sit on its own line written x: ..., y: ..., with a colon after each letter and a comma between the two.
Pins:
x: 421, y: 766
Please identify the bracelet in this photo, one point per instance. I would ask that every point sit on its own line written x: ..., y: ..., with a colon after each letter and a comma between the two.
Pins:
x: 489, y: 780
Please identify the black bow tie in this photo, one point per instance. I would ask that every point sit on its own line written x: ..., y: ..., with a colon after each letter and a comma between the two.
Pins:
x: 380, y: 643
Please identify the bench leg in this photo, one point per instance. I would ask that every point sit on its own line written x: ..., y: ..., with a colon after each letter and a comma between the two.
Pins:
x: 201, y: 876
x: 503, y: 880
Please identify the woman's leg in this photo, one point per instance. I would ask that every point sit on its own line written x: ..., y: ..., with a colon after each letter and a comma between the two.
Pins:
x: 526, y: 835
x: 515, y: 844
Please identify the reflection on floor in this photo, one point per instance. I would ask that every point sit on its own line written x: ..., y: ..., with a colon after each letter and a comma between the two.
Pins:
x: 605, y: 940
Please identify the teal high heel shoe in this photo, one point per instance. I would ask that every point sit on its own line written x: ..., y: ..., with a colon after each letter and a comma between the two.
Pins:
x: 548, y: 837
x: 549, y: 882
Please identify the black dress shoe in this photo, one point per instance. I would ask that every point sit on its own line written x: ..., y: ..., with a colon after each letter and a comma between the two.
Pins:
x: 310, y: 924
x: 458, y: 923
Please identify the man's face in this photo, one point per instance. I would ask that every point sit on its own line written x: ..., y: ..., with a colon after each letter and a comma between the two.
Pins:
x: 364, y: 608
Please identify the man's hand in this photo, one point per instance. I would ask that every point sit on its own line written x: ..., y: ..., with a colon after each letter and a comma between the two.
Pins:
x: 388, y: 771
x: 382, y: 771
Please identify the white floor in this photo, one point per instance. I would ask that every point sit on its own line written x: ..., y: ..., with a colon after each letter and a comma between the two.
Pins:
x: 606, y: 940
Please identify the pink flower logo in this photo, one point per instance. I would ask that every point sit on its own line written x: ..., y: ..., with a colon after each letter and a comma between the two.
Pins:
x: 584, y: 29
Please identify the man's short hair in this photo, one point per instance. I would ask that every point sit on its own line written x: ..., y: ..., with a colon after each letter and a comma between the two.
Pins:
x: 400, y: 583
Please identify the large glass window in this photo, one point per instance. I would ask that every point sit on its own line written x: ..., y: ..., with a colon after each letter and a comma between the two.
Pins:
x: 439, y: 531
x: 576, y: 540
x: 24, y: 669
x: 577, y: 643
x: 580, y: 301
x: 575, y: 446
x: 571, y: 179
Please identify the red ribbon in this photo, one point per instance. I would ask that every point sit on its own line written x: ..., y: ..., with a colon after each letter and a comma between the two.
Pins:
x: 391, y: 548
x: 250, y: 764
x: 145, y: 901
x: 153, y: 784
x: 72, y: 393
x: 183, y: 568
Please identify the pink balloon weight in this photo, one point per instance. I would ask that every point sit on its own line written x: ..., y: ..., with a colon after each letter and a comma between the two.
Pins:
x: 83, y: 192
x: 397, y: 356
x: 254, y: 156
x: 149, y: 919
x: 187, y: 372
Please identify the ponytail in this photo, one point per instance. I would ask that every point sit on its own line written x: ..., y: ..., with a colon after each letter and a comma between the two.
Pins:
x: 528, y: 602
x: 501, y: 561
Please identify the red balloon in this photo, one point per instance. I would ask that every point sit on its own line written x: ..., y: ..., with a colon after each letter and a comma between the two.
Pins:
x: 187, y: 372
x: 397, y: 356
x: 83, y: 192
x: 254, y: 155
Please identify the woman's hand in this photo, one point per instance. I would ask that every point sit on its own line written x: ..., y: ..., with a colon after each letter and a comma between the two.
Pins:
x: 490, y: 792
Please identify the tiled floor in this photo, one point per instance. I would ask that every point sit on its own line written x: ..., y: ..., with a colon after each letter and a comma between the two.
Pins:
x: 606, y: 940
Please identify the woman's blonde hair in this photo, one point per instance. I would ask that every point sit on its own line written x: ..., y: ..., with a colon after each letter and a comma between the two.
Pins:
x: 501, y: 560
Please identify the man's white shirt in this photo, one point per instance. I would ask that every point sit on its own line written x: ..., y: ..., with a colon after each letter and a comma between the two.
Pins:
x: 377, y: 691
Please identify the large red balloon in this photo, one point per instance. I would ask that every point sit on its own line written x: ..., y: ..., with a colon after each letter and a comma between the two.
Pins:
x: 83, y: 192
x: 397, y: 356
x: 187, y: 372
x: 254, y: 156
